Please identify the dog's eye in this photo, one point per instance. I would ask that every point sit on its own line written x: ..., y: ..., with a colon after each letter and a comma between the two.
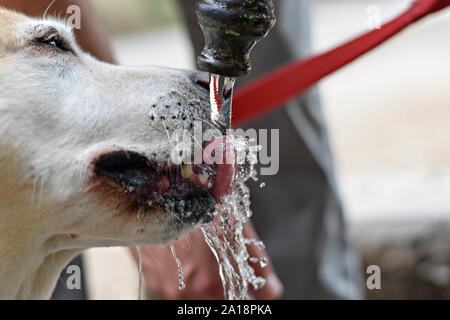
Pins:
x: 55, y: 41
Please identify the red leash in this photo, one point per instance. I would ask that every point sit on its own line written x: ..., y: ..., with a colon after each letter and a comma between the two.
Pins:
x: 278, y: 87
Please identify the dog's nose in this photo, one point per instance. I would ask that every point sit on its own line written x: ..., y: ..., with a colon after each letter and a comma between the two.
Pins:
x: 201, y: 79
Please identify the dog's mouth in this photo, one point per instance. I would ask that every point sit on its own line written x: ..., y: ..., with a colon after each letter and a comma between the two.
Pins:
x: 189, y: 191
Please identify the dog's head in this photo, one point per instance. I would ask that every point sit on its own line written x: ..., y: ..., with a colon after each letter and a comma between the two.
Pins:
x: 84, y: 149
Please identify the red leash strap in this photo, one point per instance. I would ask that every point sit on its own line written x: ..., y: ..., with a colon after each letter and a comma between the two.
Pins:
x: 278, y: 87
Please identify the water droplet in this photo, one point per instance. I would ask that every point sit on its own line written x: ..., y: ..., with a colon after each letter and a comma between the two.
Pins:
x: 181, y: 284
x: 253, y: 259
x: 263, y: 262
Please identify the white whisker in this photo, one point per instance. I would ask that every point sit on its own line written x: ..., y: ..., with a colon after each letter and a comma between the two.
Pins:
x: 170, y: 141
x: 152, y: 255
x: 167, y: 131
x: 195, y: 140
x: 208, y: 123
x: 33, y: 197
x: 48, y: 8
x: 41, y: 191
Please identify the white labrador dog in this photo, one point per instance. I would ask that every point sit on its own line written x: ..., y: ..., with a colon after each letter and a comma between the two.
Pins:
x: 84, y: 154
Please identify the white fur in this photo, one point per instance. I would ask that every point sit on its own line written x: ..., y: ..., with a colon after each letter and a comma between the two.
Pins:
x: 57, y: 112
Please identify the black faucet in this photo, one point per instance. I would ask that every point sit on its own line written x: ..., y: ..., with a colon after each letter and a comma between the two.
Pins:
x: 231, y: 28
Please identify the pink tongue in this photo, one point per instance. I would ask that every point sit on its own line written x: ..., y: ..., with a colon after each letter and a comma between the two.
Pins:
x: 223, y: 154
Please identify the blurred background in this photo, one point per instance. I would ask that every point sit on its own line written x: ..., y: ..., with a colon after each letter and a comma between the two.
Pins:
x: 389, y: 121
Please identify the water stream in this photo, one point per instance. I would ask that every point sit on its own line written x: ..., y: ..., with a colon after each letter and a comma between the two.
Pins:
x: 225, y: 235
x: 226, y: 240
x: 138, y: 249
x: 181, y: 284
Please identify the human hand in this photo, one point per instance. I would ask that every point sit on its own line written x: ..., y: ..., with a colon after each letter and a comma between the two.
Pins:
x: 200, y: 270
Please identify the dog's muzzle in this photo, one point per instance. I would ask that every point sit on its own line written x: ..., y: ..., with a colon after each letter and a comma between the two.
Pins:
x: 185, y: 191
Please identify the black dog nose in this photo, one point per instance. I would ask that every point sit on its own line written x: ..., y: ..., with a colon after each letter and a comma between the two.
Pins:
x: 201, y: 79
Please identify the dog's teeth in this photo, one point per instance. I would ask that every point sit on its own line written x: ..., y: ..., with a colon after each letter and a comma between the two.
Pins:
x: 187, y: 170
x: 203, y: 178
